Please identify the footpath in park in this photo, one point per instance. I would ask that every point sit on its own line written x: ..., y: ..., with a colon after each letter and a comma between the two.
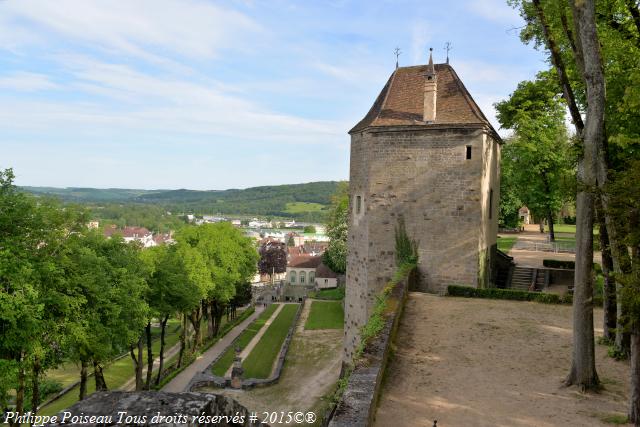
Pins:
x: 182, y: 380
x: 245, y: 352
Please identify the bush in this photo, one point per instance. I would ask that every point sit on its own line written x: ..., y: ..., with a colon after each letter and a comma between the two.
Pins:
x: 554, y: 263
x: 507, y: 294
x: 571, y: 220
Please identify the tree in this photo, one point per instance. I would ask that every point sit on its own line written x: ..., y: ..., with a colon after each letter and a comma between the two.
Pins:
x: 537, y: 157
x: 273, y: 258
x: 337, y: 226
x: 583, y: 366
x: 310, y: 229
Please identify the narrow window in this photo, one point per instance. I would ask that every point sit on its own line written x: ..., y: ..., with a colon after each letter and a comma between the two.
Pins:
x: 292, y: 276
x: 490, y: 203
x: 303, y: 276
x: 358, y: 204
x: 468, y: 152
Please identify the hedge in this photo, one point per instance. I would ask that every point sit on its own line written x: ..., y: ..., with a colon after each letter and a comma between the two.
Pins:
x: 510, y: 294
x: 513, y: 294
x: 555, y: 263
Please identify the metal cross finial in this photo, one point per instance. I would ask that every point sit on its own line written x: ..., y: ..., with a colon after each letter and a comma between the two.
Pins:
x: 447, y: 47
x: 397, y: 53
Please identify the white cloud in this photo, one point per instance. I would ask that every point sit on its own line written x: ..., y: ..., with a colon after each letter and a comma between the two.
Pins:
x: 191, y: 28
x: 27, y: 82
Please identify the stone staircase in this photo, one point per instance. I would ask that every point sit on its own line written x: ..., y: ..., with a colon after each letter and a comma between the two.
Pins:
x: 529, y: 279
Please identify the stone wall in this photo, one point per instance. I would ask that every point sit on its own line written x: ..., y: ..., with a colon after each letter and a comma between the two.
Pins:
x: 422, y: 175
x: 139, y: 409
x: 357, y: 406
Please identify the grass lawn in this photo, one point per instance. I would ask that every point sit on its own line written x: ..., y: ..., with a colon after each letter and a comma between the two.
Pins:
x: 325, y: 315
x: 301, y: 207
x: 506, y: 243
x: 332, y: 294
x: 260, y: 361
x: 223, y: 364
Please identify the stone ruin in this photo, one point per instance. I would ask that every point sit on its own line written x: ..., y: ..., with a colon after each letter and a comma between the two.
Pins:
x: 156, y: 408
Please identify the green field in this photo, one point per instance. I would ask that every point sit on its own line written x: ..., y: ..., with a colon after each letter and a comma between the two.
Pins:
x: 260, y: 361
x: 302, y: 207
x: 224, y: 363
x: 506, y: 243
x: 325, y: 315
x: 330, y: 294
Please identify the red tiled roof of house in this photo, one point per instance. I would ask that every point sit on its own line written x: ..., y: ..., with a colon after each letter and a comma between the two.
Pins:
x: 135, y: 232
x: 305, y: 261
x: 324, y: 272
x: 401, y: 101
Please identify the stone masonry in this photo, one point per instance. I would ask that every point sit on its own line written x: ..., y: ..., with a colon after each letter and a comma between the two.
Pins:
x: 441, y: 176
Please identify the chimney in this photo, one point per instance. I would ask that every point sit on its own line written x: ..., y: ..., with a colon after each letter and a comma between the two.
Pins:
x: 430, y: 90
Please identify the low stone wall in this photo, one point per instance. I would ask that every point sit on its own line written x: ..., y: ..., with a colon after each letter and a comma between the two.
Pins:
x: 140, y: 408
x: 207, y: 379
x: 358, y: 404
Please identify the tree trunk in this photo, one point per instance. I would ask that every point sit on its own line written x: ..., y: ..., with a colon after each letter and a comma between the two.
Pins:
x: 21, y: 387
x: 137, y: 362
x: 210, y: 327
x: 163, y: 328
x: 558, y: 63
x: 183, y: 339
x: 84, y: 364
x: 147, y: 385
x: 101, y: 384
x: 609, y: 286
x: 583, y: 367
x: 35, y: 386
x: 634, y: 394
x: 139, y: 383
x: 552, y: 234
x: 195, y: 317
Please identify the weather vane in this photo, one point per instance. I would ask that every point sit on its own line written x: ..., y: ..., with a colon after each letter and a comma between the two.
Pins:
x: 397, y: 53
x: 447, y: 47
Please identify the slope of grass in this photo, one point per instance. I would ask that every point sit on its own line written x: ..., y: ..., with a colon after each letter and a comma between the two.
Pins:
x: 260, y: 361
x: 300, y: 207
x: 506, y: 243
x: 329, y: 294
x: 325, y: 315
x: 225, y: 361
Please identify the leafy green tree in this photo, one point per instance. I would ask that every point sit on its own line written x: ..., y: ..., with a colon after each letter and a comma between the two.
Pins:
x: 538, y: 156
x: 337, y: 227
x: 309, y: 229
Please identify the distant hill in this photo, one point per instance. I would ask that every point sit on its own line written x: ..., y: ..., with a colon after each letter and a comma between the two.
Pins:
x: 78, y: 194
x: 301, y: 201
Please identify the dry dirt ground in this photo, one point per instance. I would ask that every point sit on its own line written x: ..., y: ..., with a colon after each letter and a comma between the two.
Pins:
x: 474, y: 362
x: 310, y: 372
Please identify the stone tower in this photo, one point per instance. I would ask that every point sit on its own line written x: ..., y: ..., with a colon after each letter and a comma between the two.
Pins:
x: 426, y: 153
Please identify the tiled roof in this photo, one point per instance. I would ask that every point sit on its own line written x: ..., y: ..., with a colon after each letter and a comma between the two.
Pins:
x: 305, y: 261
x: 324, y: 272
x: 401, y: 102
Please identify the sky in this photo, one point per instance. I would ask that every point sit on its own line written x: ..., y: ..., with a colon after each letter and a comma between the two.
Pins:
x: 200, y: 94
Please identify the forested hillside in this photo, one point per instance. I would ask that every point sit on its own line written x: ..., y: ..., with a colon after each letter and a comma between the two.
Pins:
x: 305, y: 202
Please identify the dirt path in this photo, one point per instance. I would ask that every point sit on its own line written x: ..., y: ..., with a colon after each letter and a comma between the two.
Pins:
x: 181, y: 381
x: 245, y: 352
x: 473, y: 362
